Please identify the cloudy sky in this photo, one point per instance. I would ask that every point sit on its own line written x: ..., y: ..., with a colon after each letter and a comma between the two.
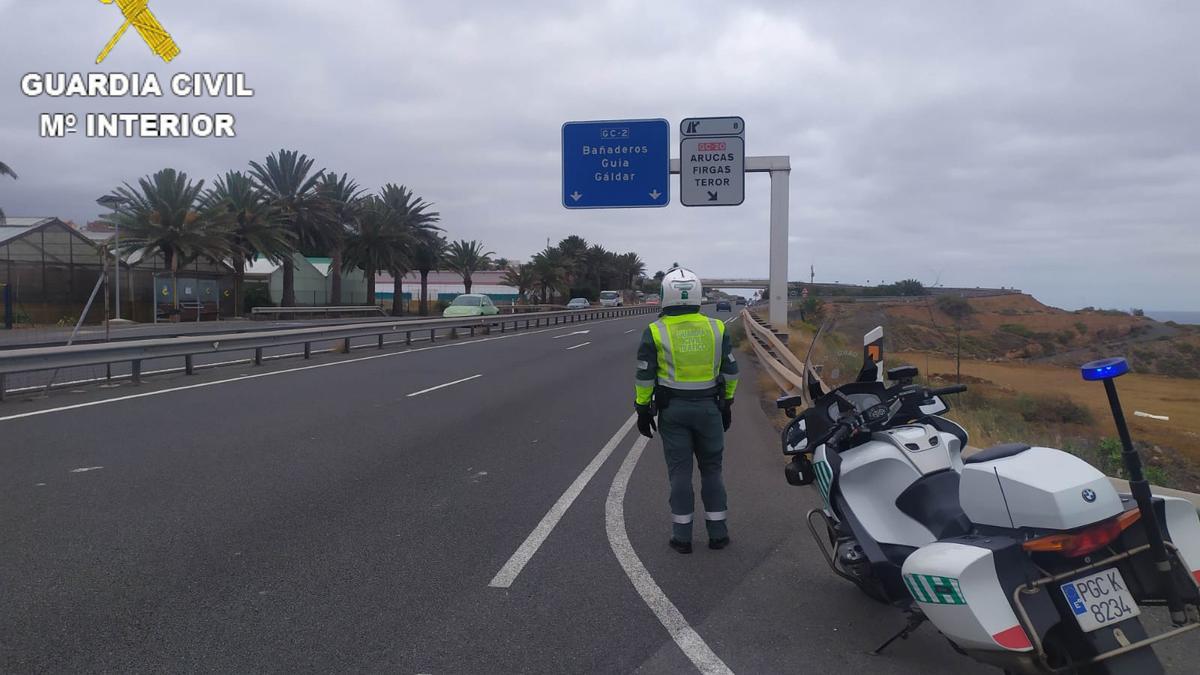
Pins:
x: 1051, y: 146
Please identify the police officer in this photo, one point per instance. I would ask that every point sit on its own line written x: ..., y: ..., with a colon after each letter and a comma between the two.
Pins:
x: 687, y: 376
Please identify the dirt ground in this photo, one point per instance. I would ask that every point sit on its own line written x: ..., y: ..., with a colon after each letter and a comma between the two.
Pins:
x: 1178, y: 399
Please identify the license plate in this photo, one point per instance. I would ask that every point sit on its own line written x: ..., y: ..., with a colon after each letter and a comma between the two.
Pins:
x: 1100, y: 599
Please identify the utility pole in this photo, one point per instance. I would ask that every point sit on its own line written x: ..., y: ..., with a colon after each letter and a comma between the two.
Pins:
x: 113, y: 202
x: 812, y: 275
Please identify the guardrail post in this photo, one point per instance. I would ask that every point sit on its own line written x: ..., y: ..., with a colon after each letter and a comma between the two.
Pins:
x: 501, y: 325
x: 432, y: 337
x: 136, y: 376
x: 346, y: 346
x: 307, y: 350
x: 381, y: 340
x: 188, y: 366
x: 408, y: 337
x: 2, y: 376
x: 258, y: 356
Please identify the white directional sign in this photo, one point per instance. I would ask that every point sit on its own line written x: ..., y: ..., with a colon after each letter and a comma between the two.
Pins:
x: 712, y: 161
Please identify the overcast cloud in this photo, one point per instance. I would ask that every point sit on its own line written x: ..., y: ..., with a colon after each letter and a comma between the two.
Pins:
x: 1051, y: 146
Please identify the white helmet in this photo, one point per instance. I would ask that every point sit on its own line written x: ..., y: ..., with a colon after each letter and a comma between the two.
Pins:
x: 681, y: 287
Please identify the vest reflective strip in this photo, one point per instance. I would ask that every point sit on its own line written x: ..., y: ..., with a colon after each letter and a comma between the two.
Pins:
x: 717, y: 333
x: 664, y: 349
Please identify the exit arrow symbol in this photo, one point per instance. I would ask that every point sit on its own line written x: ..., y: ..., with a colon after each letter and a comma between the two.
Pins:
x: 575, y: 195
x: 712, y: 196
x: 655, y: 194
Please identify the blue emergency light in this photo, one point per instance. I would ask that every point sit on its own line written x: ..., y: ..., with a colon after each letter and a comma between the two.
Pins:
x: 1104, y: 369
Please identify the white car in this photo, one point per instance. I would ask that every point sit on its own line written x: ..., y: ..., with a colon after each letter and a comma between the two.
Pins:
x: 610, y: 299
x: 578, y: 303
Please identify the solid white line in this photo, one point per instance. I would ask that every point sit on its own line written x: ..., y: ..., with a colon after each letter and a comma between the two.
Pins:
x: 507, y: 574
x: 630, y: 331
x: 578, y: 346
x: 85, y: 469
x: 693, y: 646
x: 443, y: 386
x: 247, y: 377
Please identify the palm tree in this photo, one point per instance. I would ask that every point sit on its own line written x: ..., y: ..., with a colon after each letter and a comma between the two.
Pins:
x: 238, y: 207
x: 341, y: 192
x: 501, y: 264
x: 414, y: 219
x: 574, y: 250
x: 466, y: 258
x: 5, y: 170
x: 374, y: 240
x: 632, y: 267
x: 292, y: 191
x: 520, y: 276
x: 427, y: 254
x: 160, y: 216
x: 550, y: 273
x: 594, y: 265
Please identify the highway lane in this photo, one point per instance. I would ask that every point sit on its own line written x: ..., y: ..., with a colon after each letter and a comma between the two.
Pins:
x: 32, y: 383
x: 325, y: 519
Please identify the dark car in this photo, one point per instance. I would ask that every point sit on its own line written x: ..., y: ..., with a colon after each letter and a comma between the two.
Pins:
x: 724, y: 306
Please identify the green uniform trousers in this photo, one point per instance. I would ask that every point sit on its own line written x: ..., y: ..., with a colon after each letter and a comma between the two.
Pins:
x: 692, y: 428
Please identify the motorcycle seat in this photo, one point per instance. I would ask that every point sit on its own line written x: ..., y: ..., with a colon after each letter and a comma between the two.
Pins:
x: 997, y: 452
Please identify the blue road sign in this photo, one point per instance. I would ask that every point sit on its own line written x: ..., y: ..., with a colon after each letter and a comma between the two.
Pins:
x: 616, y: 164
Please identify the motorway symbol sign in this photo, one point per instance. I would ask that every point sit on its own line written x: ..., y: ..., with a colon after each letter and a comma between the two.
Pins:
x: 712, y: 126
x: 712, y: 171
x: 616, y: 164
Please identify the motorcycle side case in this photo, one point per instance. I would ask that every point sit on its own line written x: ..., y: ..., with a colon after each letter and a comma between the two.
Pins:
x: 1183, y: 530
x: 957, y: 585
x: 1039, y: 488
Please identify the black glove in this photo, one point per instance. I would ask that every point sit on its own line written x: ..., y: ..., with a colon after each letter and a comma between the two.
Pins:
x: 727, y: 413
x: 645, y: 421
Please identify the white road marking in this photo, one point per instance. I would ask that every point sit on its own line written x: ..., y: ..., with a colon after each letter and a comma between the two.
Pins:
x: 733, y: 319
x: 244, y: 377
x: 578, y: 332
x: 693, y: 646
x: 584, y: 344
x: 85, y: 469
x: 443, y: 386
x: 630, y: 331
x: 507, y: 574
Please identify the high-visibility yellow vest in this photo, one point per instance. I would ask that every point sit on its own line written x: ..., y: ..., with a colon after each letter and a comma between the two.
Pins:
x: 689, y: 351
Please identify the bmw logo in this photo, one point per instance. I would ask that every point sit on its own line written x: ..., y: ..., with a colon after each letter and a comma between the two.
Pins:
x: 1089, y: 495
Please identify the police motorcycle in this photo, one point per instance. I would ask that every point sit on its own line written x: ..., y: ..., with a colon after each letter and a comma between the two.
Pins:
x: 1025, y: 558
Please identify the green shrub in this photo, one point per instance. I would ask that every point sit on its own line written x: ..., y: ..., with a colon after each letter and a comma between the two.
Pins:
x: 1052, y: 409
x: 1064, y: 337
x: 1016, y: 329
x: 955, y: 307
x: 1081, y: 327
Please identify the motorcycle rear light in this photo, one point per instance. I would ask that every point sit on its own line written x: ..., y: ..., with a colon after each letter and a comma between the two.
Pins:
x: 1076, y: 544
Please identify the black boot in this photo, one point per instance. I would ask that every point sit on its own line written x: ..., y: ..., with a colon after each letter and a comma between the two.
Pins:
x: 681, y: 546
x: 718, y: 544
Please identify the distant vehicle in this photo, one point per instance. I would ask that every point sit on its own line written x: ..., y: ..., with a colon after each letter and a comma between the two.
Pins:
x: 741, y: 300
x: 578, y: 303
x: 724, y: 306
x: 471, y: 304
x: 610, y: 299
x: 653, y: 300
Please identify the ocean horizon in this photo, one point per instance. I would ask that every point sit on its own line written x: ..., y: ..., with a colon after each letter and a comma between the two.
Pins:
x: 1174, y: 315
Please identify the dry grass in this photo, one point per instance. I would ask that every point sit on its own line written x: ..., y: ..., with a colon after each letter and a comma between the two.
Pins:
x: 1176, y: 398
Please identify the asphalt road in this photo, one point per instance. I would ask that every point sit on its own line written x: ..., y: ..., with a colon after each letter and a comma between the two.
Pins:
x: 354, y: 512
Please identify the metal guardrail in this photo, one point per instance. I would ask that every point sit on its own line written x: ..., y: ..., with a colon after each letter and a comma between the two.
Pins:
x: 135, y: 351
x: 256, y: 312
x: 786, y: 369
